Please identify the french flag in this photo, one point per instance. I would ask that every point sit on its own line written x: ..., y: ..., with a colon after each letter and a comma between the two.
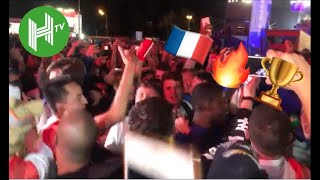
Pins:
x: 188, y: 45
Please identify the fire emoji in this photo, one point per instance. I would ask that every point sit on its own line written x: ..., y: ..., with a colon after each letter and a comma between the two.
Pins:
x: 231, y: 72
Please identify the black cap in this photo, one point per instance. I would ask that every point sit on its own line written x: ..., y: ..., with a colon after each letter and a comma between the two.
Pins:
x: 235, y: 163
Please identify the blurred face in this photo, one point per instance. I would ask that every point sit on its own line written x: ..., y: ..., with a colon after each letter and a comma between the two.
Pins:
x: 173, y: 91
x: 13, y: 77
x: 144, y: 93
x: 32, y: 62
x: 100, y: 61
x: 159, y: 74
x: 75, y: 98
x: 187, y: 81
x: 148, y: 77
x: 195, y: 82
x: 108, y: 63
x: 95, y: 96
x: 83, y: 50
x: 218, y: 110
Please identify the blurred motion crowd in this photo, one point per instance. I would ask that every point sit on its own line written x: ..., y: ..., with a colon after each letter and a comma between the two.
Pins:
x: 69, y: 114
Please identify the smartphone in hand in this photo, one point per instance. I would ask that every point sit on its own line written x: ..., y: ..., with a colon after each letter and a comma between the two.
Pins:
x: 256, y: 69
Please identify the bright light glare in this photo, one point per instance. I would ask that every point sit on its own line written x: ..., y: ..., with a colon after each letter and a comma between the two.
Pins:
x: 247, y: 1
x: 306, y: 3
x: 189, y: 17
x: 82, y: 36
x: 101, y: 12
x: 69, y: 10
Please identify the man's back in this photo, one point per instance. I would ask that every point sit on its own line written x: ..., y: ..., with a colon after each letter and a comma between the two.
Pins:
x: 109, y: 166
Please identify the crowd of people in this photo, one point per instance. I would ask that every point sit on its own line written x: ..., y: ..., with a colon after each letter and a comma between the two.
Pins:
x: 69, y: 114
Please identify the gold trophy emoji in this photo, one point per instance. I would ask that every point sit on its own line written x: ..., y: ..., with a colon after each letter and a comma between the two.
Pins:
x: 281, y: 73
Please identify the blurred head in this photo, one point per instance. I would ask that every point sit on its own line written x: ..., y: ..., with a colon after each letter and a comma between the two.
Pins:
x: 100, y: 61
x: 210, y: 101
x: 172, y: 88
x: 201, y: 77
x: 33, y: 62
x: 75, y: 137
x: 187, y: 76
x: 148, y: 89
x: 73, y: 67
x: 62, y: 93
x: 14, y: 74
x: 147, y: 75
x: 96, y: 93
x: 152, y: 117
x: 270, y: 131
x: 161, y: 69
x: 80, y: 50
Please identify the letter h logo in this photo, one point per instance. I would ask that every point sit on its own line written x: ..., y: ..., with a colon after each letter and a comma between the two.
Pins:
x: 35, y: 33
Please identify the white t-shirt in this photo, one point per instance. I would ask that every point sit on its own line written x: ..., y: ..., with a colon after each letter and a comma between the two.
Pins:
x: 115, y: 138
x: 278, y: 169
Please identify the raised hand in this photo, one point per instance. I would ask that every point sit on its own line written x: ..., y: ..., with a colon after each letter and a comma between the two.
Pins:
x: 250, y: 89
x: 300, y: 62
x: 76, y: 43
x: 182, y: 125
x: 301, y: 88
x: 92, y: 50
x: 128, y: 56
x: 115, y: 45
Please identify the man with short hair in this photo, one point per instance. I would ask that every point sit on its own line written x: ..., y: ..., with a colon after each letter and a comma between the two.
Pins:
x: 201, y: 77
x: 76, y: 136
x: 147, y: 75
x: 161, y: 69
x: 209, y: 125
x: 270, y: 135
x: 66, y: 66
x: 73, y: 67
x: 173, y: 92
x: 187, y: 76
x: 62, y: 93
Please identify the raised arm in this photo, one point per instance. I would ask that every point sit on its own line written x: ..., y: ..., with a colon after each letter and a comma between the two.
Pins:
x: 73, y: 47
x: 114, y: 53
x: 118, y: 108
x: 246, y: 95
x: 301, y: 88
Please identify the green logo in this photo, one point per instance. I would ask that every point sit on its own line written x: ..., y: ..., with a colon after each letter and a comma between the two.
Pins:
x: 44, y: 31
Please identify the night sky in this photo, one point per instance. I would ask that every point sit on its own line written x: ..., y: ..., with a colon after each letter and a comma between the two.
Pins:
x: 127, y: 16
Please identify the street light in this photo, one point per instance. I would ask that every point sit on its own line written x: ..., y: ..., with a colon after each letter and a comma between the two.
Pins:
x: 101, y: 12
x: 189, y: 17
x: 79, y: 19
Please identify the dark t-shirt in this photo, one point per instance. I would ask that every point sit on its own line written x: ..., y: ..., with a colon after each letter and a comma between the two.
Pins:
x: 28, y: 81
x: 101, y: 107
x: 103, y: 165
x: 235, y: 160
x: 202, y: 138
